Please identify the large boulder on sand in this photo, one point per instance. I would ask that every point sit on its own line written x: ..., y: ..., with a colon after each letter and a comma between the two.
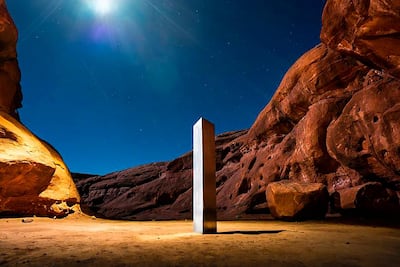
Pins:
x: 370, y: 199
x: 33, y: 177
x: 297, y: 201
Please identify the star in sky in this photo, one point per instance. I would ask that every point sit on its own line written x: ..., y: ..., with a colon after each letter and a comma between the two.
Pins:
x: 115, y: 84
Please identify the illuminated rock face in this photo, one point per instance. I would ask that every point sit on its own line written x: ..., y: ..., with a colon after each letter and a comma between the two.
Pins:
x: 33, y: 178
x: 334, y: 119
x: 365, y: 29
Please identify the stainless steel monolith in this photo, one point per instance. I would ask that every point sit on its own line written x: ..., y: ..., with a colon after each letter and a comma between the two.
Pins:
x: 204, y: 179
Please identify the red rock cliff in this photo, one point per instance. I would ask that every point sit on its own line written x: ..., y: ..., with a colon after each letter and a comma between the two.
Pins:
x: 33, y: 177
x: 10, y: 91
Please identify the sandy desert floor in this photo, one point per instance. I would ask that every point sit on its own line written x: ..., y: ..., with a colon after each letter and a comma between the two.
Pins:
x: 85, y: 241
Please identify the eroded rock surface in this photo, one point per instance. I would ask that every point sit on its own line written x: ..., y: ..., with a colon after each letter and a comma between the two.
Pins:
x: 33, y: 177
x: 10, y: 91
x: 365, y: 29
x: 369, y: 199
x: 334, y: 120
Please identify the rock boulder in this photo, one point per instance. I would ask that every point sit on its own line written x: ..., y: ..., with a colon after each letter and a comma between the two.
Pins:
x: 297, y: 201
x: 370, y: 199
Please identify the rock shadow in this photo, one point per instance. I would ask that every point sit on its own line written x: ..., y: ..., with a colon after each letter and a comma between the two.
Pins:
x: 251, y: 232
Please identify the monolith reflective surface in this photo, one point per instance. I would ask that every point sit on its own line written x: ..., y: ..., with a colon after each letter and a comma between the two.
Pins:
x: 204, y: 181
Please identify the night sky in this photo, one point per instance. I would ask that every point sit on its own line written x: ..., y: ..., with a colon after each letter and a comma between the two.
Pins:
x: 112, y: 86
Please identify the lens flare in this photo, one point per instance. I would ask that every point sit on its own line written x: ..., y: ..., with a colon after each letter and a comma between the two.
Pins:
x: 101, y: 7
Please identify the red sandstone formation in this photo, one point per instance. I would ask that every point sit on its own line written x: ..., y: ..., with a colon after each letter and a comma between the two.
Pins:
x: 366, y: 29
x: 369, y: 199
x: 10, y: 91
x: 33, y: 178
x: 334, y: 119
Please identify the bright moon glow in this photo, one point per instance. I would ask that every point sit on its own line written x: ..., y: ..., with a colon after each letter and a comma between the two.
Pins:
x: 101, y: 7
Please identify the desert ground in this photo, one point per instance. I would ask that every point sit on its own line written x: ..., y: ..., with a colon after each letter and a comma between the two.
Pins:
x: 81, y: 240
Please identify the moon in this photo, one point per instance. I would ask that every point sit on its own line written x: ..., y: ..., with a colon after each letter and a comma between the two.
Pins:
x: 101, y: 7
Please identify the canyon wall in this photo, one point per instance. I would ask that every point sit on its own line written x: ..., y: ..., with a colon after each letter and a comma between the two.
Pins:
x: 33, y: 177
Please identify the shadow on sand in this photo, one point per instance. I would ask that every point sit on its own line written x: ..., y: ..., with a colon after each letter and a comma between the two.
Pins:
x: 390, y: 222
x: 251, y: 232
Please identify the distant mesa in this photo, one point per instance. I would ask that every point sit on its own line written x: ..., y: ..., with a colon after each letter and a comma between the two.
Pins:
x: 79, y: 176
x: 334, y: 120
x: 33, y: 177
